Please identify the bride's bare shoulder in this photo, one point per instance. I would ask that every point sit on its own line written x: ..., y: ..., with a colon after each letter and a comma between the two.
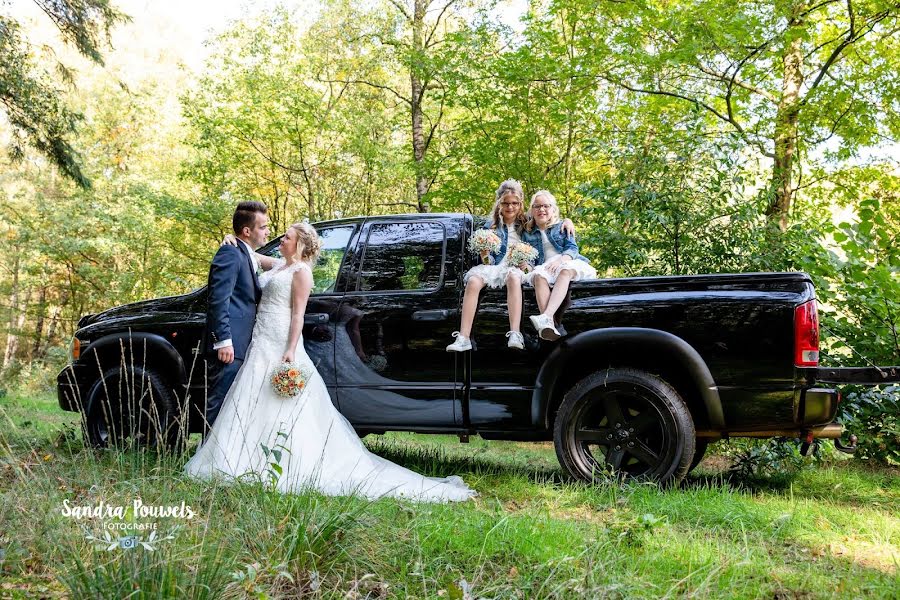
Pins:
x: 302, y: 273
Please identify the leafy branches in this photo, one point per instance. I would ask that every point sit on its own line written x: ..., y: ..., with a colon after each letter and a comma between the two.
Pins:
x: 32, y: 101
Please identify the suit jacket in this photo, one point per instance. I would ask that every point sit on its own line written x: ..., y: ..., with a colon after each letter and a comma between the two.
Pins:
x: 233, y: 293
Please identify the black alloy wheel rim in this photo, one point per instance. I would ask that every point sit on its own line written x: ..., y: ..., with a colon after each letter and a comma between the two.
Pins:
x: 124, y: 408
x: 620, y: 426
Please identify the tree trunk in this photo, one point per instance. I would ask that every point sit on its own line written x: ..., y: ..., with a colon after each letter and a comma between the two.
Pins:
x: 39, y: 326
x: 308, y: 183
x: 55, y: 314
x: 12, y: 340
x: 416, y: 97
x: 786, y: 122
x: 16, y: 323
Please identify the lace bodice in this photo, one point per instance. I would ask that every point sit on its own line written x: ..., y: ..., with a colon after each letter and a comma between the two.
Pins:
x: 276, y: 285
x: 273, y: 315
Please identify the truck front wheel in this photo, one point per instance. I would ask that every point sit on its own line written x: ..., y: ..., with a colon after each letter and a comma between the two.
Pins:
x: 625, y: 421
x: 131, y: 403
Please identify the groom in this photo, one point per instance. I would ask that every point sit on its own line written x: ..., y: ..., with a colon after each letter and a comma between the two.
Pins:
x: 233, y: 293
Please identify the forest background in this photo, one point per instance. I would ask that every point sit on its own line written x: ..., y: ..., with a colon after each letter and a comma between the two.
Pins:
x: 682, y: 137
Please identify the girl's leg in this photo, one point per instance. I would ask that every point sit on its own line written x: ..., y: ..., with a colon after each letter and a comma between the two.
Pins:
x: 514, y: 299
x: 541, y: 291
x: 470, y: 304
x: 560, y: 289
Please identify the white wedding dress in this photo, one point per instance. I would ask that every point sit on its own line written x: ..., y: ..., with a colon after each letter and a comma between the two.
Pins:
x: 319, y: 449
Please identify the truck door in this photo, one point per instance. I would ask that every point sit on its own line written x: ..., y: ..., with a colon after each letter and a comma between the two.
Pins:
x: 322, y: 309
x: 395, y: 321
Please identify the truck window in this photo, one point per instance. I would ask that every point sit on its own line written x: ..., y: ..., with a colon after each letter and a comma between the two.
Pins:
x: 403, y: 256
x: 334, y: 246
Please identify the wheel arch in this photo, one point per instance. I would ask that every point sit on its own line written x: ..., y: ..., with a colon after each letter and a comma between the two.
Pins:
x: 654, y: 350
x: 139, y: 349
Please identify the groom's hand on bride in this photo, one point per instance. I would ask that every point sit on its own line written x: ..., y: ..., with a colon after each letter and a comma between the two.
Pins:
x: 226, y: 354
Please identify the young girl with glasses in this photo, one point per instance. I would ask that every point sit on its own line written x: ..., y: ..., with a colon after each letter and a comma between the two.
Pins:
x: 559, y: 262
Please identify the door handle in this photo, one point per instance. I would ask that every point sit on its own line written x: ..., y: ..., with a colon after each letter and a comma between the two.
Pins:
x: 431, y: 315
x: 315, y: 318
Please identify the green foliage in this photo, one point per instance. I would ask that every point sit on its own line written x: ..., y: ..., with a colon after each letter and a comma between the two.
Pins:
x: 786, y: 77
x: 866, y: 297
x: 873, y: 415
x: 759, y: 459
x: 32, y: 98
x: 275, y: 120
x: 671, y: 202
x: 163, y: 573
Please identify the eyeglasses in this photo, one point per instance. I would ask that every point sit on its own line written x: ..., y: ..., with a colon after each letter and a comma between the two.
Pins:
x: 509, y: 204
x: 537, y: 207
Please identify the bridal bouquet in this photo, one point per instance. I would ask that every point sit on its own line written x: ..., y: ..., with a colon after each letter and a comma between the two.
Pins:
x: 484, y: 240
x: 288, y: 380
x: 522, y: 254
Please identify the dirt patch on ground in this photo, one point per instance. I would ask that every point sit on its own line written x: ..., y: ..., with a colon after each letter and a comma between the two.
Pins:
x: 871, y: 555
x: 715, y: 463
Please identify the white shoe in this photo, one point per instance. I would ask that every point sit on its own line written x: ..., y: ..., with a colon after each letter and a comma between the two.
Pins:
x: 544, y: 325
x: 461, y: 344
x: 515, y: 340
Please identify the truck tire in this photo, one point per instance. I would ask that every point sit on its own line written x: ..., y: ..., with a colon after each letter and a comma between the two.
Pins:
x: 625, y: 421
x: 132, y: 403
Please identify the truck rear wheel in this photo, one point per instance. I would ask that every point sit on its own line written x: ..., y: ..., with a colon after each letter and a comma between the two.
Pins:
x: 132, y: 403
x: 627, y: 421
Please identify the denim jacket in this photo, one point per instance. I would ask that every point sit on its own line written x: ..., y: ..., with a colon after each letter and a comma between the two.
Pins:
x: 496, y: 257
x: 564, y: 244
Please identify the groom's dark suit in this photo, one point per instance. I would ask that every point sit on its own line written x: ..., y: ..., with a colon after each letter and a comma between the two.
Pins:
x: 233, y: 294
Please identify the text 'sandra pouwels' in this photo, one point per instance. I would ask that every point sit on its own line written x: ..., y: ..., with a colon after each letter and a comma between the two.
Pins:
x: 138, y: 508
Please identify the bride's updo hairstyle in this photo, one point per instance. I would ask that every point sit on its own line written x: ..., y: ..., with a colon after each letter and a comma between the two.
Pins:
x: 308, y: 243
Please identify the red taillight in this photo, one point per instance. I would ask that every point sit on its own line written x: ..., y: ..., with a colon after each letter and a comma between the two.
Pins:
x: 806, y: 335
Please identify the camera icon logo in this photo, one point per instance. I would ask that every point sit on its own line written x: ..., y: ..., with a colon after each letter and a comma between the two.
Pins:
x: 128, y: 542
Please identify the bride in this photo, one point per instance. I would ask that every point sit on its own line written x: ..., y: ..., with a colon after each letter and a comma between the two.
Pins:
x: 318, y: 447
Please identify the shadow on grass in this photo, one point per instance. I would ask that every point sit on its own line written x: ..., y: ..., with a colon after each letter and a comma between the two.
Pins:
x: 735, y: 483
x: 851, y: 483
x: 436, y: 462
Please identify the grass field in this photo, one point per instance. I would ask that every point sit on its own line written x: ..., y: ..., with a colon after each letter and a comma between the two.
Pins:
x: 833, y: 530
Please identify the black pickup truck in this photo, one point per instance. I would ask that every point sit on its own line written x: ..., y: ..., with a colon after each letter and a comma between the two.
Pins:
x: 652, y: 370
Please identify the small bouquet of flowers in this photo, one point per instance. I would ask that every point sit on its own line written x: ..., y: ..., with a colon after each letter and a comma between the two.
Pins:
x: 484, y: 240
x: 288, y: 379
x: 522, y: 255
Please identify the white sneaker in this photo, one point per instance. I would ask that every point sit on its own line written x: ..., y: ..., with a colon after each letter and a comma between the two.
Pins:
x: 515, y: 340
x: 461, y: 344
x: 544, y: 325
